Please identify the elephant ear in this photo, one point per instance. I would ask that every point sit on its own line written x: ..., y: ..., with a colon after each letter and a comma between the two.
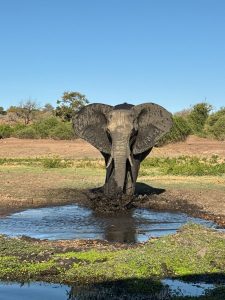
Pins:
x: 90, y: 124
x: 153, y: 122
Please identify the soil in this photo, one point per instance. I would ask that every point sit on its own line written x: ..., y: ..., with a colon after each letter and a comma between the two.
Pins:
x: 21, y: 148
x: 201, y: 202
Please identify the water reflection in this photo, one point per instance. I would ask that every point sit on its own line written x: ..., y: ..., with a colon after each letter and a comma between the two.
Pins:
x: 141, y: 289
x: 122, y: 228
x: 76, y: 222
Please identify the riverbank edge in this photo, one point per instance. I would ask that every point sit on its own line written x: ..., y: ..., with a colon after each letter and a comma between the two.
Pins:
x: 194, y: 252
x: 173, y: 200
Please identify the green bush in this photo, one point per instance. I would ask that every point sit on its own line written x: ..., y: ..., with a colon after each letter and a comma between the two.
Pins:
x: 215, y: 125
x: 179, y: 131
x: 44, y: 126
x: 63, y: 131
x: 219, y: 129
x: 55, y: 162
x: 213, y: 118
x: 17, y: 128
x: 194, y: 166
x: 54, y: 128
x: 26, y: 133
x: 198, y: 116
x: 5, y: 131
x: 184, y: 165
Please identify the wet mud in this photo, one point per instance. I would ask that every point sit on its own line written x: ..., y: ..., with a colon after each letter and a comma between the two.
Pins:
x: 151, y: 198
x: 145, y: 197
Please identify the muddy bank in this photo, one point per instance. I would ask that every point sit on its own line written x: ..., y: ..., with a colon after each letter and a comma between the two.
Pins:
x: 199, y: 252
x: 192, y: 203
x: 198, y: 203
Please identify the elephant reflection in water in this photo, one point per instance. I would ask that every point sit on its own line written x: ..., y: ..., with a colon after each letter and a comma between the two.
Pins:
x: 132, y: 289
x: 124, y: 134
x: 122, y: 229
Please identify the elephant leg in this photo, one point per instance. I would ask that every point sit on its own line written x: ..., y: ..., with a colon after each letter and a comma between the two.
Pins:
x: 131, y: 177
x: 110, y: 185
x: 111, y: 188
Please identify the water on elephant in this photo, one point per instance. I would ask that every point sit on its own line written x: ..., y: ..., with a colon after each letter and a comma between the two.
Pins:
x: 77, y: 222
x: 44, y: 291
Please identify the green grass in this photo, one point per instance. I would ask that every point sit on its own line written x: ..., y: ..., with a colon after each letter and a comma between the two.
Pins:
x: 182, y: 165
x: 194, y: 250
x: 51, y: 172
x: 53, y: 162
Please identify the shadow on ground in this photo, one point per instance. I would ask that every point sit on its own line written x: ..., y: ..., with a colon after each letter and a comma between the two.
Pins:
x: 146, y: 196
x: 145, y: 189
x: 150, y: 289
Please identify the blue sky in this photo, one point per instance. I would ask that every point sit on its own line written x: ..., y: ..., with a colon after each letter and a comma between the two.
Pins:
x: 171, y: 52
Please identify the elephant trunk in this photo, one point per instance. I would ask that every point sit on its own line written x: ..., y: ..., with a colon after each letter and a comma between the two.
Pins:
x: 120, y: 155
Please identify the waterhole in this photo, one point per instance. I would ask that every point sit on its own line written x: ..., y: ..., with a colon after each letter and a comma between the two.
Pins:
x: 44, y: 291
x: 77, y: 222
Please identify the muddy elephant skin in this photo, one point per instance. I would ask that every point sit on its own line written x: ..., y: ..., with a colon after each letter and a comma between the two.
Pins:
x: 125, y: 135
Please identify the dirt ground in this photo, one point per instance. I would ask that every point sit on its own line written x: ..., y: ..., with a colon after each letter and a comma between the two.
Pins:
x: 19, y: 189
x: 21, y: 148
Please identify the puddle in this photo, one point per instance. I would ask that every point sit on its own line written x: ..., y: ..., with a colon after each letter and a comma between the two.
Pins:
x: 180, y: 288
x: 44, y: 291
x: 77, y: 222
x: 34, y: 291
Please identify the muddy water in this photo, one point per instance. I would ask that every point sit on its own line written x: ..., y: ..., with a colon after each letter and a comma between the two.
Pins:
x: 76, y: 222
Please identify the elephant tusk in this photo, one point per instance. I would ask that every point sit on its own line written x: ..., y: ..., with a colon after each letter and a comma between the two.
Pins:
x: 109, y: 162
x: 130, y: 160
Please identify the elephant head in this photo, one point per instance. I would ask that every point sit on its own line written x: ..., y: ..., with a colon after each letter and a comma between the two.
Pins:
x: 124, y: 134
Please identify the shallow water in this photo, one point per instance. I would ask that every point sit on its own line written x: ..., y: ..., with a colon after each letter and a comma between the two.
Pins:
x: 77, y: 222
x: 44, y: 291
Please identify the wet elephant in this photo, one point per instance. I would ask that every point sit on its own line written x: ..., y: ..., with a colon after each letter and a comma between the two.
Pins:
x: 125, y: 135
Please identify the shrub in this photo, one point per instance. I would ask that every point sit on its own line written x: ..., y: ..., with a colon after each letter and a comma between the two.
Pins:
x: 215, y: 125
x: 55, y: 162
x: 5, y: 131
x: 198, y: 117
x: 63, y: 131
x: 26, y: 133
x: 218, y: 129
x: 179, y: 131
x: 44, y: 126
x: 184, y: 165
x: 17, y: 128
x: 55, y: 128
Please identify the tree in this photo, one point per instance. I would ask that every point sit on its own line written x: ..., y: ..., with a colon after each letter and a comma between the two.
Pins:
x: 70, y: 103
x: 48, y: 108
x: 2, y: 111
x: 26, y: 111
x: 215, y: 124
x: 198, y: 116
x: 184, y: 113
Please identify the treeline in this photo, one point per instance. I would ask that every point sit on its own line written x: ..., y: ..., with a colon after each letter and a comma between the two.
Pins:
x: 30, y: 121
x: 199, y: 120
x: 27, y: 120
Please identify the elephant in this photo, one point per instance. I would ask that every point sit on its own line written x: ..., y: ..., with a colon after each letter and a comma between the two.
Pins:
x: 124, y: 134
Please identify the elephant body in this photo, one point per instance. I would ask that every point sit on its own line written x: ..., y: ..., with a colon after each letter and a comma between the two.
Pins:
x: 125, y: 135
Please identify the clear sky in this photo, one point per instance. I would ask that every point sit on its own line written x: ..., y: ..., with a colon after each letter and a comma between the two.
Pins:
x: 171, y: 52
